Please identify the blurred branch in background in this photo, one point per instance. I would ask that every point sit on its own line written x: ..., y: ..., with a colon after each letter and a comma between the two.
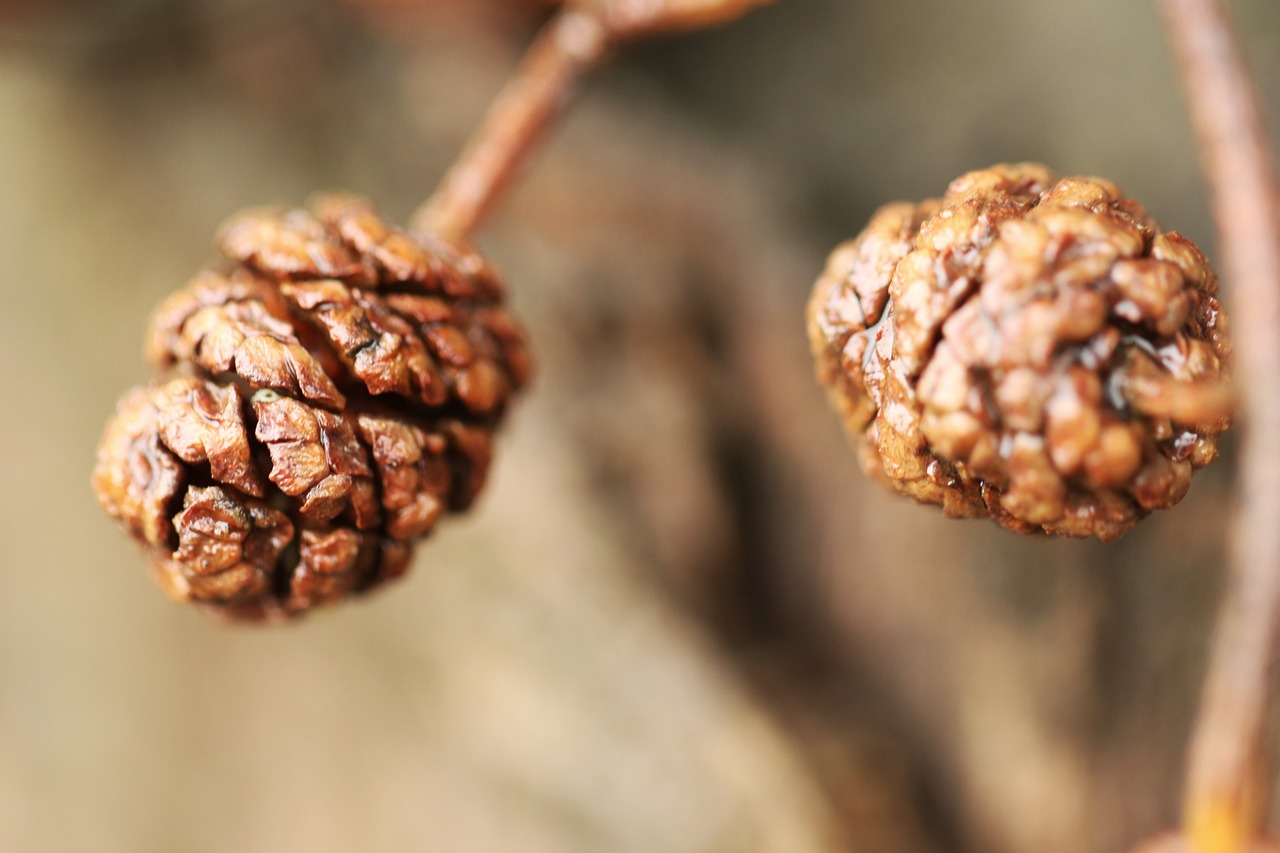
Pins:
x: 1228, y: 777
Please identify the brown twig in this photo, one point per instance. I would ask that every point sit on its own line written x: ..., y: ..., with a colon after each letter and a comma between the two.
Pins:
x: 634, y: 18
x: 570, y: 45
x: 575, y: 41
x: 1226, y: 788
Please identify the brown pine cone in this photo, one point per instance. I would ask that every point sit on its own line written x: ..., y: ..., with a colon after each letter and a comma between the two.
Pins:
x: 321, y: 401
x: 1026, y: 348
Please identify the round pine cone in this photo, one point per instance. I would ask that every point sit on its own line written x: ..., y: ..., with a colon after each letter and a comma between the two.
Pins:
x: 1026, y: 348
x: 321, y: 401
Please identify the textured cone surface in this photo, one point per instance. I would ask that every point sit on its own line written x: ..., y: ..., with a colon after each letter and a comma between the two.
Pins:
x: 321, y: 401
x: 1026, y: 348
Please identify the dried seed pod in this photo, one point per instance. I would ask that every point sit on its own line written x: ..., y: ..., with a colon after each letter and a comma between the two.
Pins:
x: 321, y: 401
x: 1026, y: 348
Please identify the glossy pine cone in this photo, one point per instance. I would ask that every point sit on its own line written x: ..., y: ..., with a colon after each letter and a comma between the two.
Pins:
x: 321, y: 401
x: 1026, y: 348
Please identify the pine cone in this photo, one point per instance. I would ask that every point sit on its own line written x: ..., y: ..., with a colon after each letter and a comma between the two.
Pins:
x: 1026, y: 348
x: 321, y: 402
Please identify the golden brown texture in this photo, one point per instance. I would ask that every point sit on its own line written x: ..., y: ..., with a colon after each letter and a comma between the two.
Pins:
x: 322, y: 401
x: 1026, y: 348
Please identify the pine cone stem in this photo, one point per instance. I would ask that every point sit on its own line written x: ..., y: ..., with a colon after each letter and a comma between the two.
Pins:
x: 573, y: 43
x: 568, y: 47
x: 634, y: 18
x: 1226, y: 790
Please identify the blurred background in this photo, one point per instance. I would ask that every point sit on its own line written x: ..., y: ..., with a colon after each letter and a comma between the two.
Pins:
x: 680, y: 619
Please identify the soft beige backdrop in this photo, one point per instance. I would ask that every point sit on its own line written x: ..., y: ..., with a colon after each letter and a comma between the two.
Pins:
x: 680, y: 620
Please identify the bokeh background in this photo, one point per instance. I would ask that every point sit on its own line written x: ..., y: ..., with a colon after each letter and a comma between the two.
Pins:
x: 680, y: 619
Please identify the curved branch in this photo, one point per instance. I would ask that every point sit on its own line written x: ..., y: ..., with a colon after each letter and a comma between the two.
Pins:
x: 1226, y: 788
x: 576, y: 40
x: 634, y: 18
x: 571, y: 44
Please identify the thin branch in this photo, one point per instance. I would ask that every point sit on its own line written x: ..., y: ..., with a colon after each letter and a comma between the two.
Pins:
x: 575, y: 41
x: 570, y: 45
x: 1227, y: 784
x: 634, y: 18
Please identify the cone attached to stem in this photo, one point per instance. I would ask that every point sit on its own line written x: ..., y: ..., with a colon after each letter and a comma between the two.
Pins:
x: 332, y: 389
